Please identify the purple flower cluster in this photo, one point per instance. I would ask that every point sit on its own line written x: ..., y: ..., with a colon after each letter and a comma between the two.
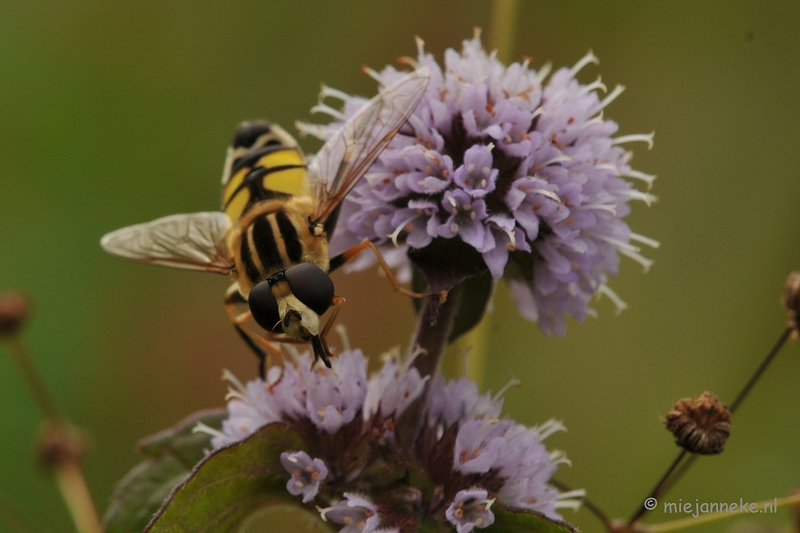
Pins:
x: 525, y: 172
x: 472, y: 456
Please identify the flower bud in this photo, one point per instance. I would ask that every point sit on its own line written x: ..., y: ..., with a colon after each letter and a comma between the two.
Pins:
x: 791, y: 300
x: 14, y: 309
x: 701, y: 426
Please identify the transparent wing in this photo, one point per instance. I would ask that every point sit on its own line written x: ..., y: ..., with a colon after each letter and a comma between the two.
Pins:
x: 347, y: 156
x: 190, y: 242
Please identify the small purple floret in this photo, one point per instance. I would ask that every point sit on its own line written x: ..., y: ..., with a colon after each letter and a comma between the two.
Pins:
x: 358, y: 514
x: 470, y: 509
x: 306, y: 473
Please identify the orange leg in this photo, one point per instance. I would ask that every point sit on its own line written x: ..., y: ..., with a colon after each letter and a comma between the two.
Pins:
x: 347, y: 255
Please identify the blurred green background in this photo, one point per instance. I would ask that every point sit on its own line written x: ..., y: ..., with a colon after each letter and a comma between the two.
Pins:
x: 114, y: 113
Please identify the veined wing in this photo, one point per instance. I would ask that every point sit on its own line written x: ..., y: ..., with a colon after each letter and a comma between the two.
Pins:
x: 193, y: 241
x: 347, y: 156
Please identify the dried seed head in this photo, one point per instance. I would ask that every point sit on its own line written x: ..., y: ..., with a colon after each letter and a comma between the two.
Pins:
x: 791, y: 300
x: 701, y: 426
x: 14, y: 309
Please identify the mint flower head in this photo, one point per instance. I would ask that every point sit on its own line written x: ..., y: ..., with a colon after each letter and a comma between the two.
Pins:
x: 516, y: 166
x: 359, y: 447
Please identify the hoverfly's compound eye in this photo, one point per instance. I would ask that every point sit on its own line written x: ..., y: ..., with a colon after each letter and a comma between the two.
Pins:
x: 264, y: 307
x: 311, y: 285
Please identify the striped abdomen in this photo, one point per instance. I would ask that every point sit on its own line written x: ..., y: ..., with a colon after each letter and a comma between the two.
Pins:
x: 273, y: 237
x: 263, y: 163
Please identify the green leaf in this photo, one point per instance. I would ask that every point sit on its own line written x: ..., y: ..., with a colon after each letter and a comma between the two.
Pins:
x: 172, y: 455
x: 511, y: 520
x: 231, y: 484
x: 472, y: 305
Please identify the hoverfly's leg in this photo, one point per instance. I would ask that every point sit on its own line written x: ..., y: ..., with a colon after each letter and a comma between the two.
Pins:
x: 320, y: 342
x: 347, y: 255
x: 260, y: 347
x: 337, y: 302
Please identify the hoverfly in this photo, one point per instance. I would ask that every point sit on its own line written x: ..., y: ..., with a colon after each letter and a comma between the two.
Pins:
x: 271, y: 236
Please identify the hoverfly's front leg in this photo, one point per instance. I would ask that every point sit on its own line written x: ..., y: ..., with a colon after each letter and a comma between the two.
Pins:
x: 319, y: 343
x: 347, y: 255
x: 259, y: 346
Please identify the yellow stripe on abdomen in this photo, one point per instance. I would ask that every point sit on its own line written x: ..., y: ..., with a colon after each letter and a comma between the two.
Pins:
x: 292, y: 180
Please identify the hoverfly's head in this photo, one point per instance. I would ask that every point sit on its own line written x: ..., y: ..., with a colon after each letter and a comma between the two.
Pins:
x: 292, y: 301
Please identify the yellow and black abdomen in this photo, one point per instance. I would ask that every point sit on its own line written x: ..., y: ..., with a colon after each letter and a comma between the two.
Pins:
x: 276, y: 240
x: 263, y: 163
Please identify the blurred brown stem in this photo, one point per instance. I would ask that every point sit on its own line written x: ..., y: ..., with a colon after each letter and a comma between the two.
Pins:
x: 61, y: 445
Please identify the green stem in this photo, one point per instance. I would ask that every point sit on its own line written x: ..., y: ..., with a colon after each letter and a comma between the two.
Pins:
x: 434, y: 323
x: 502, y: 26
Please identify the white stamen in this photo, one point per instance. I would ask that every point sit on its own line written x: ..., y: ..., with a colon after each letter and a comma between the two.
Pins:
x: 605, y: 207
x: 645, y: 240
x: 538, y: 111
x: 608, y: 166
x: 611, y: 97
x: 420, y: 45
x: 452, y: 201
x: 203, y: 428
x: 549, y: 427
x: 585, y: 60
x: 315, y: 130
x: 345, y: 340
x: 328, y: 110
x: 598, y: 120
x: 454, y: 227
x: 557, y: 457
x: 557, y: 159
x: 646, y: 197
x: 644, y: 137
x: 228, y: 376
x: 399, y: 229
x: 567, y: 500
x: 326, y: 92
x: 373, y: 74
x: 511, y: 383
x: 597, y: 84
x: 619, y: 303
x: 618, y: 243
x: 647, y: 178
x: 543, y: 72
x: 470, y: 167
x: 549, y: 194
x: 646, y: 263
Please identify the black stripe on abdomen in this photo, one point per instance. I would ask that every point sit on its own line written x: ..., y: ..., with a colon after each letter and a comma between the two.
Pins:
x: 266, y: 246
x: 250, y: 267
x: 294, y: 248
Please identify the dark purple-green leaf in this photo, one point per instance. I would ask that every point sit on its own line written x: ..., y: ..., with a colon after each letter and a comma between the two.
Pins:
x: 231, y: 484
x: 172, y: 454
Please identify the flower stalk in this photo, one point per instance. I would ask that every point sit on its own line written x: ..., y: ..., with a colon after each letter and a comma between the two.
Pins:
x: 60, y: 445
x: 674, y: 473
